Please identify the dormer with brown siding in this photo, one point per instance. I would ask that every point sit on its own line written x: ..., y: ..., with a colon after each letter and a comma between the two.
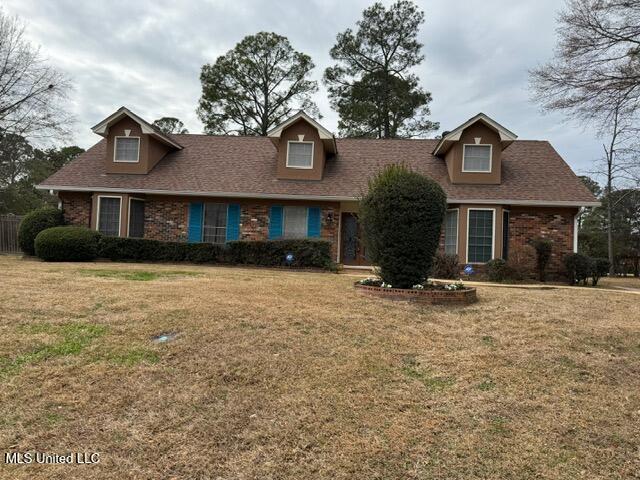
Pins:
x: 303, y: 146
x: 133, y: 145
x: 473, y: 151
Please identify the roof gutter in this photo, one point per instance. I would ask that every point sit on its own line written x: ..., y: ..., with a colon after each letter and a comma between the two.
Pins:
x: 283, y: 196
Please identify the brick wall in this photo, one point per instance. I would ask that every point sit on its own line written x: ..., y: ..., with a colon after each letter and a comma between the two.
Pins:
x: 76, y: 208
x: 166, y: 220
x: 254, y: 220
x: 329, y: 229
x: 554, y: 224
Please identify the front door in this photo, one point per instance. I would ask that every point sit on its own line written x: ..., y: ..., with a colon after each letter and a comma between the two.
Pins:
x: 352, y: 248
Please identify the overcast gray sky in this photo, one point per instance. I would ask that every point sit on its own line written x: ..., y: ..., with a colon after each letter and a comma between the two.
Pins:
x: 147, y: 56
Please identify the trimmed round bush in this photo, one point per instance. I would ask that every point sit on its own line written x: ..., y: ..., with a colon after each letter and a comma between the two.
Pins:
x: 35, y: 222
x: 402, y: 214
x: 67, y: 244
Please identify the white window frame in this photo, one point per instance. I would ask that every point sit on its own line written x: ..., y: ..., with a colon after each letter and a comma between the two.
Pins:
x: 226, y: 223
x: 464, y: 151
x: 457, y: 230
x: 312, y: 154
x: 129, y: 212
x: 115, y: 149
x: 493, y: 235
x: 98, y: 212
x: 306, y: 221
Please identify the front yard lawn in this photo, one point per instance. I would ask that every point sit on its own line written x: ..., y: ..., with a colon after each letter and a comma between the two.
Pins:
x: 287, y: 375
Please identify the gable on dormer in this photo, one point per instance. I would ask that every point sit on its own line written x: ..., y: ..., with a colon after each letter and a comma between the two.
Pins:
x: 303, y: 146
x: 133, y: 145
x: 473, y: 151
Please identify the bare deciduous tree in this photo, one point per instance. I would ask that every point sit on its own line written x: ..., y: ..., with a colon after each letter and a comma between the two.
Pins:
x: 596, y: 62
x: 32, y: 92
x: 594, y: 78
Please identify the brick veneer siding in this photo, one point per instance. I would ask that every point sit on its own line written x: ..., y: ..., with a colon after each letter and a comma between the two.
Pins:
x: 76, y: 209
x: 526, y: 224
x: 254, y: 223
x: 166, y: 220
x: 329, y: 231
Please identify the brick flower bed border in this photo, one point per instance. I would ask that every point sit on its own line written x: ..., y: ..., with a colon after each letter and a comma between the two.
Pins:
x: 432, y: 297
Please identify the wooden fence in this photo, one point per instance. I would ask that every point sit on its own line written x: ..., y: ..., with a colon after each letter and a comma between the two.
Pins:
x: 9, y: 233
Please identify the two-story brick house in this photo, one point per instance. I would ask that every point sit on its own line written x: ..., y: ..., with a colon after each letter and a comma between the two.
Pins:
x: 301, y: 181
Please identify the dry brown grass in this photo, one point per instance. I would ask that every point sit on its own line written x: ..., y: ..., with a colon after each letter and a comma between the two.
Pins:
x: 279, y: 375
x: 617, y: 282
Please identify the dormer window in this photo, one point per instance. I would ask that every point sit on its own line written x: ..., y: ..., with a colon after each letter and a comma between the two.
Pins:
x: 477, y: 158
x: 300, y: 154
x: 127, y: 149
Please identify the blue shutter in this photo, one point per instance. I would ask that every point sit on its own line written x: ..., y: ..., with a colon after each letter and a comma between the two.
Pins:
x: 233, y: 222
x: 275, y: 222
x: 195, y: 222
x: 313, y: 222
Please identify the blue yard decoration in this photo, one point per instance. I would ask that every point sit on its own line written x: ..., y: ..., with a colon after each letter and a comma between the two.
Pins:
x: 468, y: 270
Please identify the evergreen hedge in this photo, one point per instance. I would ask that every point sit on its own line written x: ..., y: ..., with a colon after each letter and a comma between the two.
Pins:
x: 303, y: 253
x: 35, y: 222
x: 402, y: 214
x: 67, y: 244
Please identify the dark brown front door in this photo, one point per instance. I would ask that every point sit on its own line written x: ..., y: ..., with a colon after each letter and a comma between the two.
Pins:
x: 352, y: 248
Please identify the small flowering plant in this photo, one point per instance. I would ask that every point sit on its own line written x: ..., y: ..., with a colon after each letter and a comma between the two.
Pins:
x: 455, y: 286
x: 426, y: 285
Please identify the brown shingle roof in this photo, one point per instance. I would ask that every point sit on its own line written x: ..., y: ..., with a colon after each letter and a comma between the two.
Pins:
x: 235, y: 166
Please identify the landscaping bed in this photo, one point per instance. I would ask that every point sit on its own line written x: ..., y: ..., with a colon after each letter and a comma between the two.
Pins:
x: 434, y: 293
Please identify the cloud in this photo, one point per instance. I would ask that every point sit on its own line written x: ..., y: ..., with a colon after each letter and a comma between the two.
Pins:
x: 148, y: 55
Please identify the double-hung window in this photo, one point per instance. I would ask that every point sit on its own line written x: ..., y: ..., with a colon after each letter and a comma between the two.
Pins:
x: 300, y: 154
x: 126, y: 149
x: 109, y: 216
x: 295, y: 222
x: 480, y: 239
x: 214, y: 226
x: 451, y: 232
x: 476, y: 158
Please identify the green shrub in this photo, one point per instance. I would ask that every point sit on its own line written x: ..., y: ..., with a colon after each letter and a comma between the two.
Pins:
x: 578, y: 267
x: 445, y: 266
x: 67, y: 244
x: 271, y: 253
x: 142, y: 250
x: 543, y: 248
x: 402, y: 214
x: 498, y: 270
x: 35, y: 222
x: 599, y: 268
